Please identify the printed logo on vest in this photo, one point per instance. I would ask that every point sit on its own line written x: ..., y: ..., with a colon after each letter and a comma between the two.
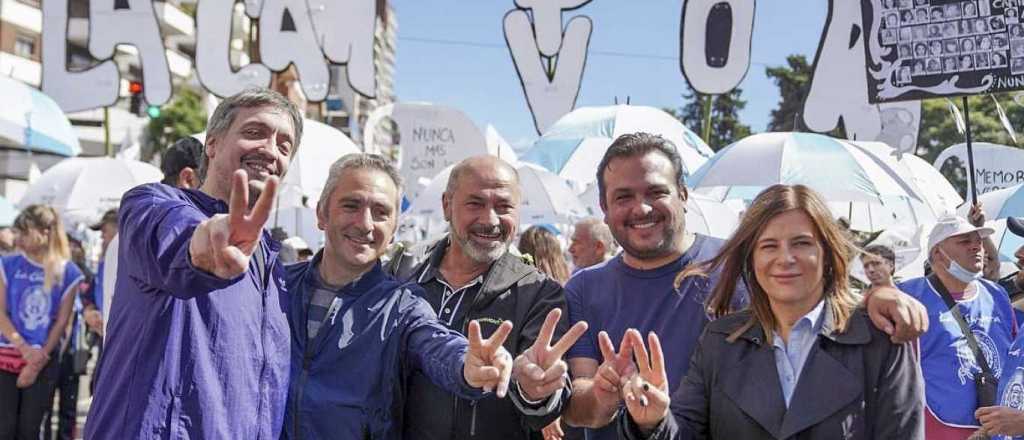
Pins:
x: 35, y: 308
x: 968, y: 365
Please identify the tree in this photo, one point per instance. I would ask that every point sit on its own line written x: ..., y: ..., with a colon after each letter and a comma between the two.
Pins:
x: 794, y: 81
x: 184, y: 116
x: 726, y: 127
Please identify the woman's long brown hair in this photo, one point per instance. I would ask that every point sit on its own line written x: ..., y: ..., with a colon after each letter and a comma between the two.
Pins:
x: 735, y: 259
x: 547, y: 255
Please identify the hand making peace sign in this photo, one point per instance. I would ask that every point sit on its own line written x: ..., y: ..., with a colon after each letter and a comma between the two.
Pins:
x: 612, y: 372
x: 223, y: 244
x: 487, y: 364
x: 539, y: 369
x: 646, y: 392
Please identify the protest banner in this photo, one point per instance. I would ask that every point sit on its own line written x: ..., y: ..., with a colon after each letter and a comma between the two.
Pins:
x: 995, y: 166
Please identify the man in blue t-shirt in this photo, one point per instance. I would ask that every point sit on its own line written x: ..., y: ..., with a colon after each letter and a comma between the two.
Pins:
x: 642, y: 194
x: 957, y: 257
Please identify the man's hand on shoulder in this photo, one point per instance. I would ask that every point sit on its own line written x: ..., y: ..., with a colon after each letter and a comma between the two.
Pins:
x: 897, y: 314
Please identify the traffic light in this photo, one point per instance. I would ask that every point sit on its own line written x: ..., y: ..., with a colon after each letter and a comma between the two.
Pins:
x: 135, y: 89
x: 153, y: 111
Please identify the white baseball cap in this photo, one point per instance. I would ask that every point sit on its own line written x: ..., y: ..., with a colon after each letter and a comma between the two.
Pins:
x: 953, y: 225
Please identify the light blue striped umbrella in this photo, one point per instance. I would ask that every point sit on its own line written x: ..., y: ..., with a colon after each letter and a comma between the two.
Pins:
x: 835, y: 169
x: 31, y: 120
x: 1000, y: 205
x: 573, y: 146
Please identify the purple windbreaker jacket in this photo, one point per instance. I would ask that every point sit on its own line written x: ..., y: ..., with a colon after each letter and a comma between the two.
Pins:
x: 189, y: 355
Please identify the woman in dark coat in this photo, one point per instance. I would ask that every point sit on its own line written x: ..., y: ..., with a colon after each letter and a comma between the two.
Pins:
x: 801, y: 362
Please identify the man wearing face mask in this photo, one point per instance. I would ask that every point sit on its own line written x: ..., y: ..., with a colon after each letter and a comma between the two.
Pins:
x: 958, y: 370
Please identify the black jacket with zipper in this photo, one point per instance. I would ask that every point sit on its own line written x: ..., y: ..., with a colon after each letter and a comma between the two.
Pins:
x: 511, y: 290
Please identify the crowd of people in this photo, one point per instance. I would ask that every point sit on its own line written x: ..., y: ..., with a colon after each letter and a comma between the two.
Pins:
x: 652, y: 332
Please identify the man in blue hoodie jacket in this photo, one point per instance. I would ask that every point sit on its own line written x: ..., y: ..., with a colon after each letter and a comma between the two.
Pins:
x: 357, y: 332
x: 198, y: 337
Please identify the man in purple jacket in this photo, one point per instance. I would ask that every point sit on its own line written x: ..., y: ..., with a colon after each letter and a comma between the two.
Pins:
x: 198, y: 343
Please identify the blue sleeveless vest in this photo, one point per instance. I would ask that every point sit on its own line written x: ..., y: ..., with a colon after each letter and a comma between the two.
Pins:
x: 947, y: 361
x: 1011, y: 384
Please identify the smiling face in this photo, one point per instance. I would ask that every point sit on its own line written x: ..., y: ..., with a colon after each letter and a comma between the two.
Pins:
x: 359, y: 218
x: 788, y: 261
x: 482, y: 209
x: 644, y: 206
x: 260, y: 141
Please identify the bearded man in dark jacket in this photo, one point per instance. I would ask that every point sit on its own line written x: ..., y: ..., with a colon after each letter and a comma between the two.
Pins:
x: 471, y: 275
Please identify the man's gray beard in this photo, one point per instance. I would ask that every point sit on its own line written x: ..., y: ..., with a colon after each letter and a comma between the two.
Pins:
x: 478, y: 254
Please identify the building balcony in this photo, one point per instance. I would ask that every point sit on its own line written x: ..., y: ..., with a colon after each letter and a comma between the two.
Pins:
x: 21, y: 69
x: 173, y: 21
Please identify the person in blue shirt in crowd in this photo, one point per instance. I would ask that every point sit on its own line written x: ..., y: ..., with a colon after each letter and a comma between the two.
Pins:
x: 956, y: 253
x: 198, y: 338
x: 38, y: 286
x: 643, y: 195
x: 358, y: 333
x: 1005, y: 420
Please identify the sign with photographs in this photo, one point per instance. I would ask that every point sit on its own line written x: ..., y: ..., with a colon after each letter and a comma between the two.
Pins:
x: 920, y: 49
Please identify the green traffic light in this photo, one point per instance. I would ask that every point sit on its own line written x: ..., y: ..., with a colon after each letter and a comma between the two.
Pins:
x: 153, y: 111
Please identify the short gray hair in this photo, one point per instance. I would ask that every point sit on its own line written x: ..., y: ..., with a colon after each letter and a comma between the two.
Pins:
x: 360, y: 161
x: 599, y: 231
x: 251, y: 97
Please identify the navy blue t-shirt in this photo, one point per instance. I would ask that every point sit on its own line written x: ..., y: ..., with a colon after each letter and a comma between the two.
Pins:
x: 614, y: 297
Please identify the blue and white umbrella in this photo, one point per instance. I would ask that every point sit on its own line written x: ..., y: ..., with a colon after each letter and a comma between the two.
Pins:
x: 998, y: 206
x: 574, y: 145
x: 31, y: 120
x: 852, y: 181
x: 837, y: 170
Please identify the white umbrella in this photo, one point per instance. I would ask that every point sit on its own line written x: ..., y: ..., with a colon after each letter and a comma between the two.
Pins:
x: 574, y: 145
x: 547, y: 198
x: 839, y: 171
x: 320, y: 147
x: 498, y: 146
x: 929, y: 184
x: 83, y: 188
x: 704, y: 215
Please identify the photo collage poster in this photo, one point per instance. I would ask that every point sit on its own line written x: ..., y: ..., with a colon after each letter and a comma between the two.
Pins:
x: 919, y: 49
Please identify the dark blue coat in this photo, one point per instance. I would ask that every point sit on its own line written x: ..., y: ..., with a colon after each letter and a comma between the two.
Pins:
x: 348, y: 382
